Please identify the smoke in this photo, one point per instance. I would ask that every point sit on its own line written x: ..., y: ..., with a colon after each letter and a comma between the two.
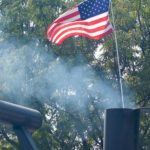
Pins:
x: 30, y: 72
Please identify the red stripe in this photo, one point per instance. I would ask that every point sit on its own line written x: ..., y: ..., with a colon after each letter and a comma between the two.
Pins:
x: 49, y: 32
x: 94, y: 22
x: 82, y: 29
x: 83, y: 34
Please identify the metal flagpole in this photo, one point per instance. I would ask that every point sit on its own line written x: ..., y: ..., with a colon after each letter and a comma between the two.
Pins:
x: 118, y: 59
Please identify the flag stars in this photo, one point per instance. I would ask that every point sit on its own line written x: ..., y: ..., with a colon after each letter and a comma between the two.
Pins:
x: 90, y: 8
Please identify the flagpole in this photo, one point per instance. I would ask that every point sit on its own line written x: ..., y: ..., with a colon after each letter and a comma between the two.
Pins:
x: 118, y: 58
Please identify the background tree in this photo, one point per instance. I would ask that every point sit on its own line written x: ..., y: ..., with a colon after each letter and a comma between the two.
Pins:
x: 69, y: 125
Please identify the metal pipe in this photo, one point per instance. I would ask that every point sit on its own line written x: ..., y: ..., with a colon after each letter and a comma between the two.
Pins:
x: 20, y: 116
x: 121, y: 129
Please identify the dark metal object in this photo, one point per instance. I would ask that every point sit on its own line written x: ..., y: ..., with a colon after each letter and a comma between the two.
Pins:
x: 22, y: 119
x: 25, y: 139
x: 145, y: 110
x: 20, y: 116
x: 121, y: 129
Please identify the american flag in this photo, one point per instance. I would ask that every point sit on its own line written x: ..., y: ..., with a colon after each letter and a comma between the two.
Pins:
x: 90, y: 19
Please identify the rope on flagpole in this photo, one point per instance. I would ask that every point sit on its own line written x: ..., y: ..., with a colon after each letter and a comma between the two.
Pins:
x: 118, y: 58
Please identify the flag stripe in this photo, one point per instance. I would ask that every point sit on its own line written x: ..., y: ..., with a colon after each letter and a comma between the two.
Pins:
x: 80, y: 24
x: 72, y: 16
x: 67, y: 17
x: 93, y: 35
x: 97, y: 19
x: 99, y: 36
x: 92, y: 28
x: 75, y: 18
x: 67, y: 13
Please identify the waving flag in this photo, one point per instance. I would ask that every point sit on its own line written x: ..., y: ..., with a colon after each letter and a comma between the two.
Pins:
x: 89, y: 19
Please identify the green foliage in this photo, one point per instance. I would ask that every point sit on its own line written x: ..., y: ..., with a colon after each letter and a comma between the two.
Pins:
x: 65, y: 128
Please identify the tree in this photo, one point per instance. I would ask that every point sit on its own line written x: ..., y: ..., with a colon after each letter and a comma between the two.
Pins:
x: 65, y: 86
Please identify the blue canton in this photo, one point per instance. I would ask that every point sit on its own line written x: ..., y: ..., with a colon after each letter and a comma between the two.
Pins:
x: 91, y: 8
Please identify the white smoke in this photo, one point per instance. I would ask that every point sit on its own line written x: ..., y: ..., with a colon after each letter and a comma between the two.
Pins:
x: 28, y: 71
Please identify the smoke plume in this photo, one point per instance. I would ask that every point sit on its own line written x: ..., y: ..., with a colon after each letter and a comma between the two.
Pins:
x: 28, y: 71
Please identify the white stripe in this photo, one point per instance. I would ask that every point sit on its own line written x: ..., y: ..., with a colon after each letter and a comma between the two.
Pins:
x: 80, y: 26
x: 94, y: 34
x: 97, y: 17
x: 71, y: 19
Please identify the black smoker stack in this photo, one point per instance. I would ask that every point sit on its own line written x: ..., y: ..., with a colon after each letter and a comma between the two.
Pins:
x: 121, y: 128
